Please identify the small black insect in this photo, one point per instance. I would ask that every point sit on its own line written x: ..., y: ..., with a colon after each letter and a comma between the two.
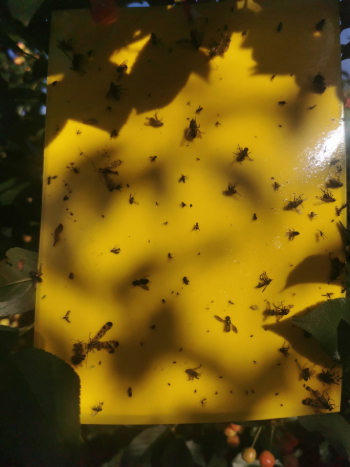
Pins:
x: 336, y: 268
x: 154, y: 121
x: 122, y: 67
x: 96, y: 409
x: 114, y: 134
x: 132, y: 199
x: 282, y: 103
x: 291, y: 234
x: 327, y: 196
x: 310, y: 108
x: 142, y: 283
x: 115, y: 91
x: 306, y: 372
x: 284, y: 350
x: 319, y: 84
x: 312, y: 215
x: 66, y: 316
x: 152, y: 158
x: 116, y: 251
x: 328, y: 294
x: 339, y: 210
x: 276, y: 186
x: 154, y: 39
x: 193, y: 130
x: 129, y: 391
x: 153, y: 327
x: 279, y: 27
x: 228, y: 324
x: 192, y: 373
x: 329, y: 376
x: 295, y: 203
x: 242, y: 154
x: 334, y: 182
x: 217, y: 124
x: 183, y: 179
x: 196, y: 227
x: 321, y: 234
x: 320, y: 24
x: 231, y: 190
x: 199, y: 110
x: 170, y: 256
x: 77, y: 62
x: 183, y: 204
x: 203, y: 402
x: 230, y: 303
x: 264, y: 281
x: 255, y: 217
x: 273, y: 77
x: 65, y: 46
x: 185, y: 280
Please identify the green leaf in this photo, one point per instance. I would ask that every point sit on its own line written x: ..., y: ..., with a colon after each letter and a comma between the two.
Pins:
x: 141, y: 445
x: 8, y: 338
x: 323, y: 323
x: 17, y: 298
x: 39, y: 423
x: 8, y: 184
x: 8, y: 196
x: 346, y: 232
x: 333, y: 427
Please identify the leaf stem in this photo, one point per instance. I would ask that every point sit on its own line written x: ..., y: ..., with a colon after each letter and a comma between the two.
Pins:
x: 16, y: 282
x: 257, y: 436
x: 271, y: 437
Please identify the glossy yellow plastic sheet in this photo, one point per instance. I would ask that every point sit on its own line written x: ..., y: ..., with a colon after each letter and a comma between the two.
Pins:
x: 171, y: 327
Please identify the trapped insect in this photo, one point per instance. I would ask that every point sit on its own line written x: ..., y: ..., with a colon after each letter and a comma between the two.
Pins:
x: 339, y: 210
x: 306, y: 372
x: 221, y: 47
x: 79, y: 353
x: 132, y: 199
x: 231, y: 190
x: 96, y: 409
x: 154, y: 121
x: 196, y: 227
x: 320, y: 401
x: 203, y: 402
x: 282, y: 103
x: 279, y: 311
x: 321, y: 234
x: 36, y: 276
x: 141, y: 283
x: 116, y: 251
x: 129, y: 391
x: 276, y: 186
x: 183, y: 179
x: 334, y: 182
x: 121, y: 68
x: 279, y: 27
x: 228, y: 324
x: 319, y: 84
x: 66, y: 316
x: 291, y: 234
x: 193, y: 130
x: 115, y: 91
x: 77, y: 62
x: 284, y: 349
x: 107, y: 171
x: 200, y: 108
x: 96, y: 344
x: 57, y: 234
x: 311, y: 108
x: 295, y: 203
x: 192, y: 373
x: 185, y: 280
x: 328, y: 294
x: 242, y: 154
x: 312, y: 215
x: 264, y: 281
x: 329, y: 376
x: 152, y: 158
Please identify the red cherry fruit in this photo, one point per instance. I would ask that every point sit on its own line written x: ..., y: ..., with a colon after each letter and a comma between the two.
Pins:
x: 267, y: 459
x: 290, y: 461
x: 229, y: 431
x: 104, y: 11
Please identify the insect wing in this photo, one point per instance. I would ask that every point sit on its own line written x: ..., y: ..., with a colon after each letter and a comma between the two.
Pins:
x: 102, y: 332
x: 234, y: 329
x: 219, y: 319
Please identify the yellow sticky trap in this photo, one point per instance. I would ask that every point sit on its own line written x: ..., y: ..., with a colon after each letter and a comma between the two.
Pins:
x: 194, y: 227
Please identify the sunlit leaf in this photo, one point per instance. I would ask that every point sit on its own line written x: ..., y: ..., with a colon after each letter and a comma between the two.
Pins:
x: 20, y: 297
x: 8, y: 196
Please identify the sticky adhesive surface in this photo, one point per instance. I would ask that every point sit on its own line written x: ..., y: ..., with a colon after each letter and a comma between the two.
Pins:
x: 171, y: 327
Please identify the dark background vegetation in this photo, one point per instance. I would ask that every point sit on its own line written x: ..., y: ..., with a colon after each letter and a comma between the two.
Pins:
x: 322, y: 441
